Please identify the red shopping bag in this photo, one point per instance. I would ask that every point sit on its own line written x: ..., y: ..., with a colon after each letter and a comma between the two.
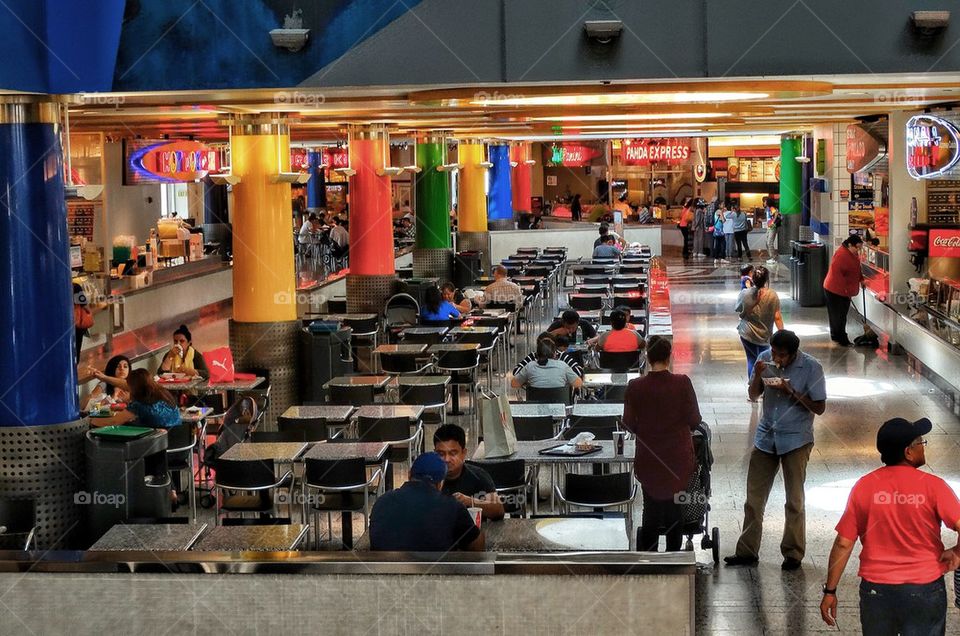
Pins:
x: 220, y: 363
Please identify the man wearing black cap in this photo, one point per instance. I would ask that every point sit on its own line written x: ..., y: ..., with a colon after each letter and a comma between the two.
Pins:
x: 896, y: 512
x: 417, y: 518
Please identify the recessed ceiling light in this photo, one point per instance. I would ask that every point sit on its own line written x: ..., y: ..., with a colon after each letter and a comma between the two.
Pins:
x: 614, y: 99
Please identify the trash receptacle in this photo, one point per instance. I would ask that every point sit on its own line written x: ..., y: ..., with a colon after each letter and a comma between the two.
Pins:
x: 324, y: 354
x: 467, y: 268
x: 127, y: 478
x: 808, y: 264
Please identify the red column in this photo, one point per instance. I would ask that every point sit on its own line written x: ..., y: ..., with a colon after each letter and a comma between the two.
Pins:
x: 371, y: 225
x: 522, y: 177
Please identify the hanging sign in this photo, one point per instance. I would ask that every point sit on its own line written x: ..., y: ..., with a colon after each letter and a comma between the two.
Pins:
x: 944, y: 243
x: 864, y: 150
x: 336, y: 157
x: 299, y: 160
x: 169, y: 161
x: 933, y: 146
x: 572, y: 155
x: 643, y: 152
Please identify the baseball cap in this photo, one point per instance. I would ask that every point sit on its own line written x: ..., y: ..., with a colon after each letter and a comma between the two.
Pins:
x: 429, y: 467
x: 895, y: 435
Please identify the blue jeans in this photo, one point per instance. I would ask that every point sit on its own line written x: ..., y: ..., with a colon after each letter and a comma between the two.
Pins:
x: 908, y: 609
x: 753, y: 351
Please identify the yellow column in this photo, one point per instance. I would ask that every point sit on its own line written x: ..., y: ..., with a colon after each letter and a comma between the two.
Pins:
x: 472, y: 202
x: 264, y: 288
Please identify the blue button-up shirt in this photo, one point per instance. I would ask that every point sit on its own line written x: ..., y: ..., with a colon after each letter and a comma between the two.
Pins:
x: 785, y: 424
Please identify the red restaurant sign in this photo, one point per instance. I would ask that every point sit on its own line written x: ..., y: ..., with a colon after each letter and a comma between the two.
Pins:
x: 643, y: 152
x: 933, y: 146
x: 336, y: 157
x: 863, y: 149
x: 944, y: 243
x: 573, y: 155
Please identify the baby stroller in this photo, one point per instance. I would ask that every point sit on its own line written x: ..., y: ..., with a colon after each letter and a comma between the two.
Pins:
x: 696, y: 510
x: 401, y: 311
x: 239, y: 421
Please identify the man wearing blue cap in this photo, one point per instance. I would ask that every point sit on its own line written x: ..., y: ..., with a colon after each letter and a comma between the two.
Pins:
x: 417, y: 518
x: 896, y: 512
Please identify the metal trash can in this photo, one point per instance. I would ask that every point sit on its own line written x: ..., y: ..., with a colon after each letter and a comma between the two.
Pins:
x: 126, y: 479
x: 467, y: 268
x: 808, y: 269
x: 324, y: 354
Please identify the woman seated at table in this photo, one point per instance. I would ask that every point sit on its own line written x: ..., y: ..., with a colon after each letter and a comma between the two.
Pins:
x: 560, y: 343
x: 151, y: 404
x: 455, y: 297
x: 546, y: 372
x: 619, y: 339
x: 435, y: 308
x: 113, y: 382
x: 183, y: 358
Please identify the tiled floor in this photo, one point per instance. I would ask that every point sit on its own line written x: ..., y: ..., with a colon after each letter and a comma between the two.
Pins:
x: 864, y: 388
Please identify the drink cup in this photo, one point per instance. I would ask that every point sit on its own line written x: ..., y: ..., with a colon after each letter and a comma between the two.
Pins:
x: 476, y: 514
x: 619, y: 438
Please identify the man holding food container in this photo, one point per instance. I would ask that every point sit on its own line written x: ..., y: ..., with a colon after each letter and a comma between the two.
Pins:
x: 793, y: 389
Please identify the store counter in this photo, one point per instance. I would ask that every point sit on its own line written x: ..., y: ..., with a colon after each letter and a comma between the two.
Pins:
x: 578, y: 239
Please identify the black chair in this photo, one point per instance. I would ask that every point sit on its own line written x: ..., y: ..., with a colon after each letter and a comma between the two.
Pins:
x: 539, y: 270
x: 599, y: 492
x: 18, y: 520
x: 619, y: 361
x: 336, y: 305
x: 257, y: 477
x: 602, y: 427
x: 181, y: 445
x: 450, y: 323
x: 534, y: 429
x: 397, y: 363
x: 278, y: 436
x: 462, y: 366
x: 404, y: 447
x: 582, y: 302
x: 631, y: 301
x: 432, y: 397
x: 421, y: 338
x: 257, y: 521
x: 353, y: 395
x: 367, y: 329
x: 487, y: 342
x: 553, y: 395
x: 313, y: 429
x: 633, y: 269
x: 512, y: 482
x: 602, y: 290
x: 335, y: 485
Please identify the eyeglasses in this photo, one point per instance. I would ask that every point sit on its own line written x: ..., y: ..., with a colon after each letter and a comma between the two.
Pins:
x: 922, y: 442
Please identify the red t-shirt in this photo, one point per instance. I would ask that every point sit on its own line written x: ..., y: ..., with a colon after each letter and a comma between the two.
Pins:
x: 896, y: 512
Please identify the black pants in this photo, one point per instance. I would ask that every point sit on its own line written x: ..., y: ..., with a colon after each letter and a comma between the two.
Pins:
x: 741, y: 240
x: 660, y: 517
x: 837, y: 309
x: 80, y: 333
x: 903, y: 609
x: 685, y: 231
x: 719, y: 246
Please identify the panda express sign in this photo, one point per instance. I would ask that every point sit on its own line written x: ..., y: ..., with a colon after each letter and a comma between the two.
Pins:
x: 671, y: 151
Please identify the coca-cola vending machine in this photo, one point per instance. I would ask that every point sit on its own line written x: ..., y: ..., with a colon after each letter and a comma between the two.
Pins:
x: 943, y: 268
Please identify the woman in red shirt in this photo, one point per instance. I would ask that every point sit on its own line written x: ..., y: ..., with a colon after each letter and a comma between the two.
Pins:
x: 661, y: 409
x: 843, y: 282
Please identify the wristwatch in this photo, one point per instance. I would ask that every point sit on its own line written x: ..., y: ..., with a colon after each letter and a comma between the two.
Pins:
x: 828, y: 591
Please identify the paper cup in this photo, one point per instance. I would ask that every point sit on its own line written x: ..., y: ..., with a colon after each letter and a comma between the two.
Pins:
x: 476, y: 514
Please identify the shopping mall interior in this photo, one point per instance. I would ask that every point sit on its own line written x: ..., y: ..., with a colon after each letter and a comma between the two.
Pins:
x: 265, y: 261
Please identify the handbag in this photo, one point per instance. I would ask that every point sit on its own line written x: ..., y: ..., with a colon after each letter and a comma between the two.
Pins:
x: 499, y: 436
x: 220, y: 363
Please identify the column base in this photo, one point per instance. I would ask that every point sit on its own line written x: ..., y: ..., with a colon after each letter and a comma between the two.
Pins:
x: 368, y: 294
x: 476, y: 242
x: 46, y: 464
x: 271, y: 347
x: 433, y: 263
x: 501, y: 224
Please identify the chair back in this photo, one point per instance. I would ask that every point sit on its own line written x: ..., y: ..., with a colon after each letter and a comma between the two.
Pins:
x: 426, y: 395
x: 421, y: 338
x: 619, y: 361
x: 585, y: 303
x: 458, y: 360
x: 398, y: 362
x: 533, y: 429
x: 631, y: 301
x: 240, y: 474
x: 508, y: 306
x: 312, y: 429
x: 353, y: 395
x: 552, y: 395
x: 238, y: 422
x: 602, y: 427
x: 485, y: 340
x: 506, y: 474
x: 383, y: 429
x: 278, y: 436
x: 538, y: 270
x: 181, y: 438
x: 489, y: 321
x: 450, y: 322
x: 592, y: 289
x: 598, y: 490
x: 363, y: 326
x: 335, y: 473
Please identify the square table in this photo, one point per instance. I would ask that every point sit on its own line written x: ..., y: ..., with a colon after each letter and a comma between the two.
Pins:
x: 412, y: 349
x: 150, y: 537
x: 423, y: 380
x: 372, y: 452
x: 344, y: 317
x: 252, y: 538
x: 426, y: 331
x: 381, y: 411
x: 597, y: 380
x: 445, y: 347
x: 530, y: 453
x: 329, y: 412
x: 559, y: 534
x: 490, y: 312
x: 528, y: 409
x: 281, y: 452
x: 377, y: 381
x: 236, y: 385
x: 594, y: 409
x: 456, y: 331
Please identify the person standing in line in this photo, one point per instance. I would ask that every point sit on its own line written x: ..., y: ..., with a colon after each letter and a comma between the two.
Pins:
x: 793, y: 389
x: 843, y: 282
x: 661, y: 409
x: 729, y: 222
x: 741, y: 228
x: 699, y: 218
x: 896, y: 512
x: 576, y: 208
x: 685, y: 225
x: 759, y: 309
x: 82, y: 319
x: 719, y: 254
x: 772, y: 220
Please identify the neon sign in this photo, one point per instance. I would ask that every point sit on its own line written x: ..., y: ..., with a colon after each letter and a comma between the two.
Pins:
x: 933, y: 146
x: 573, y: 155
x: 171, y: 162
x: 643, y: 152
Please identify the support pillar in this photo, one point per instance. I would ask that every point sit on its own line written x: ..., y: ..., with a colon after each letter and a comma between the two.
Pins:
x: 521, y: 184
x: 433, y: 249
x: 472, y: 231
x: 41, y: 433
x: 264, y: 329
x: 791, y: 190
x: 372, y: 276
x: 500, y: 198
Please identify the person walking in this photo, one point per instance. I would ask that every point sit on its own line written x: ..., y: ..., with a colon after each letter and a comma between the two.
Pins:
x: 741, y: 228
x: 686, y: 224
x: 576, y: 208
x: 896, y: 512
x: 843, y: 282
x: 719, y: 253
x: 759, y: 309
x: 699, y: 218
x: 729, y: 222
x: 661, y: 409
x: 793, y: 389
x: 772, y: 221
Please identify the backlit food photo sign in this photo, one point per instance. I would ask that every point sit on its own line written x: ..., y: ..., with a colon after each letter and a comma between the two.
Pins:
x: 642, y: 152
x: 173, y: 162
x: 933, y: 146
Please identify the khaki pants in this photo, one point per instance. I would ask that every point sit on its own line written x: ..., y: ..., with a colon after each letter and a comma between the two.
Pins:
x: 760, y: 475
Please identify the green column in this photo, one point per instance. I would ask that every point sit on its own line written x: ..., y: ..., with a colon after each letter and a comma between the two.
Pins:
x: 791, y: 182
x: 433, y: 196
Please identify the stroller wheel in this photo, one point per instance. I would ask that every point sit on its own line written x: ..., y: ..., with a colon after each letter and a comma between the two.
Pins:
x: 715, y: 540
x: 206, y: 501
x: 705, y: 542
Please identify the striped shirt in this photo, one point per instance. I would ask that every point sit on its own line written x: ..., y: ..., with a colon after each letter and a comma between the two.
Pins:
x: 563, y: 357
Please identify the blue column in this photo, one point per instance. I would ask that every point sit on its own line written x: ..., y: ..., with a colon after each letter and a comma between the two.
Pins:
x: 38, y: 377
x: 499, y: 197
x: 316, y: 194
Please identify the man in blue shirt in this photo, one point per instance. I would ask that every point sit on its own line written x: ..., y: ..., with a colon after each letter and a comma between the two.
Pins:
x: 417, y: 517
x: 794, y: 391
x: 607, y: 249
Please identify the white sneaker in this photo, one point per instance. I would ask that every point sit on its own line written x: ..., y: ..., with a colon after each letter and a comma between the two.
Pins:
x: 724, y: 261
x: 716, y: 262
x: 772, y: 261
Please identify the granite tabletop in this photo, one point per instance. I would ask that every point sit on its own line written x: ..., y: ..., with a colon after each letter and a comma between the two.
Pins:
x: 425, y: 331
x: 154, y: 537
x: 528, y: 409
x: 378, y: 381
x: 594, y: 409
x: 530, y: 452
x: 372, y: 452
x: 453, y: 346
x: 461, y: 330
x: 252, y: 538
x: 261, y: 451
x: 596, y: 380
x: 423, y: 380
x: 344, y: 317
x: 236, y: 385
x: 401, y: 348
x: 411, y: 411
x: 332, y: 412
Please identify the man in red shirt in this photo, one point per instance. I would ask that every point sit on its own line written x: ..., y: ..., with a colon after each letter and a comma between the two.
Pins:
x: 896, y: 512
